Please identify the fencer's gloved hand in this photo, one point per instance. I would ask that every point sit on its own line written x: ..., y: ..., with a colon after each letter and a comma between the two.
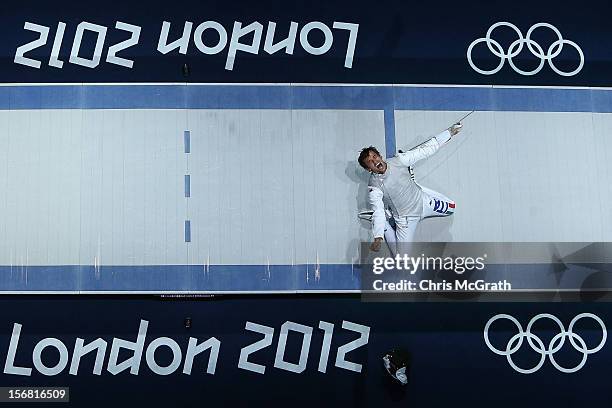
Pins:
x: 376, y: 244
x: 456, y: 128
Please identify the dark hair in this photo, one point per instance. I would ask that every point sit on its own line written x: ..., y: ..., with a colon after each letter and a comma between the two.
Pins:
x: 364, y: 153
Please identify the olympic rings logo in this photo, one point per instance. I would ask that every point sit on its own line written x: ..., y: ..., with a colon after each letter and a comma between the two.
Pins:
x: 556, y: 343
x: 517, y: 46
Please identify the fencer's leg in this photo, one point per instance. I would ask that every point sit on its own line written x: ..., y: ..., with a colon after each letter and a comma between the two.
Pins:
x: 436, y: 204
x: 390, y: 237
x: 405, y: 231
x: 406, y: 228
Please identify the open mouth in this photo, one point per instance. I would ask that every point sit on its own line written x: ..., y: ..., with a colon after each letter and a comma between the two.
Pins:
x: 379, y: 166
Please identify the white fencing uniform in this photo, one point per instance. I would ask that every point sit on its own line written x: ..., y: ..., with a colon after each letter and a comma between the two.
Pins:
x: 408, y: 201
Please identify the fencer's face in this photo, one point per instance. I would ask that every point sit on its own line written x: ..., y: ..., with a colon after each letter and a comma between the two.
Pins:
x: 375, y: 163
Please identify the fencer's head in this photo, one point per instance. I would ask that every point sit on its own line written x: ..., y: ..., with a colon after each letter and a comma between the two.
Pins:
x: 371, y: 160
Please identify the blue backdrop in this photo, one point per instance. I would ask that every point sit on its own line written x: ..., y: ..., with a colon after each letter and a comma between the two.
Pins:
x: 451, y: 362
x: 396, y: 41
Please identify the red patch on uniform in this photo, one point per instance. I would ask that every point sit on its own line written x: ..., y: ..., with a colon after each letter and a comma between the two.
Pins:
x: 451, y: 205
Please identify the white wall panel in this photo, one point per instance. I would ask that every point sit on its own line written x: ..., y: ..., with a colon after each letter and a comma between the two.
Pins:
x: 39, y: 176
x: 282, y: 186
x: 278, y: 186
x: 133, y: 206
x: 516, y: 176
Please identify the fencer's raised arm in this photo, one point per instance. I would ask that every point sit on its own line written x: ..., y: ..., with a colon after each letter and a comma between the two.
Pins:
x: 375, y: 200
x: 425, y: 149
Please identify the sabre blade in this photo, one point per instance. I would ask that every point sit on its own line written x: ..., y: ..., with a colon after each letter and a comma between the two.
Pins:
x: 463, y: 118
